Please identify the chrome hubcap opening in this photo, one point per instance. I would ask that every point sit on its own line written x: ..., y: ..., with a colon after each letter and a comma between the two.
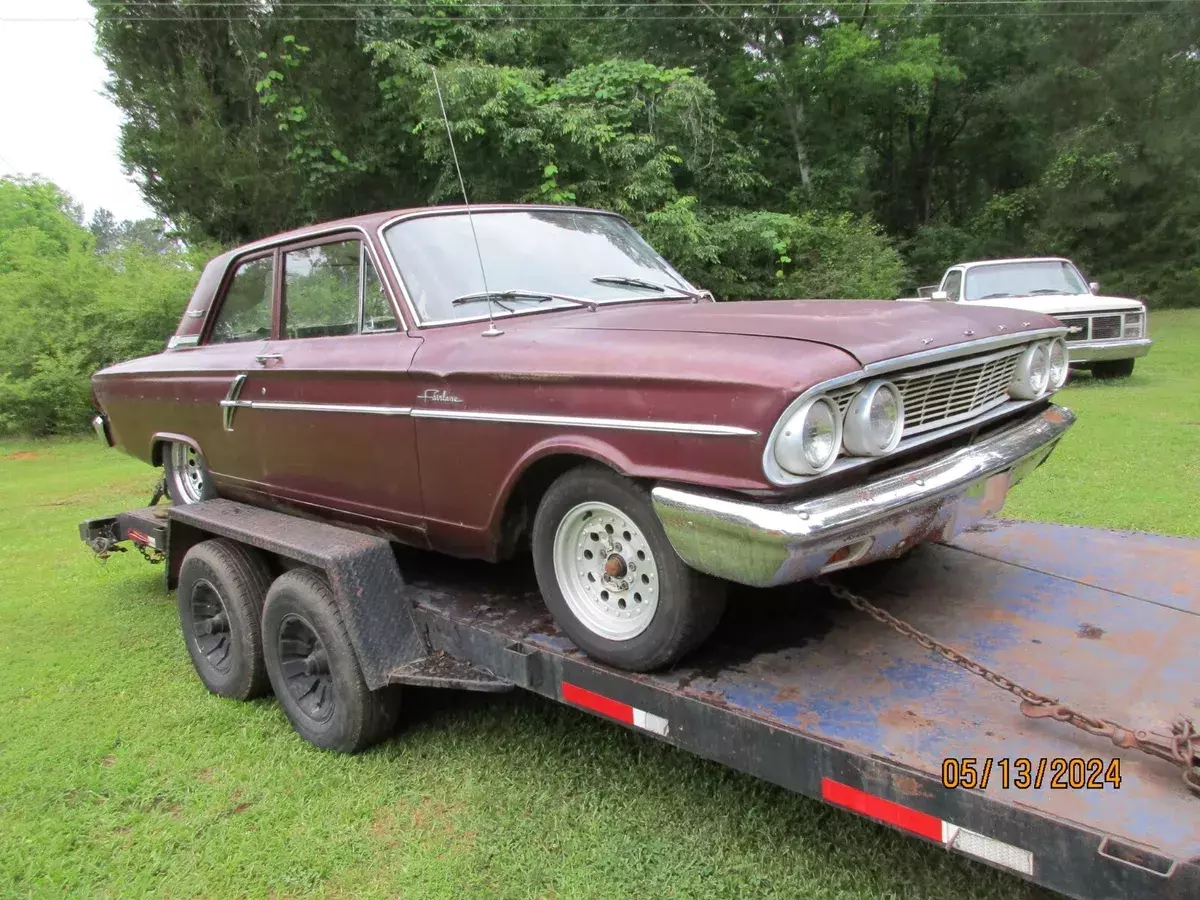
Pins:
x: 606, y: 571
x: 188, y: 472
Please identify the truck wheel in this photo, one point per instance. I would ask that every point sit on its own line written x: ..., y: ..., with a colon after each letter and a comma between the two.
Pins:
x: 187, y: 476
x: 1113, y: 368
x: 221, y: 591
x: 610, y: 577
x: 314, y: 669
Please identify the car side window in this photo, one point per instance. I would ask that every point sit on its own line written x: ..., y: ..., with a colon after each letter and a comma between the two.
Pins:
x: 377, y: 312
x: 321, y: 286
x: 245, y: 313
x: 953, y: 286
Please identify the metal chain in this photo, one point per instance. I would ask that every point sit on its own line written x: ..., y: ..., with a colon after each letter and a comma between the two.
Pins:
x: 1181, y: 746
x: 154, y: 557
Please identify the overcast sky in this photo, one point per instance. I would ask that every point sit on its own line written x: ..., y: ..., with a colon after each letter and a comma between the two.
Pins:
x: 54, y: 120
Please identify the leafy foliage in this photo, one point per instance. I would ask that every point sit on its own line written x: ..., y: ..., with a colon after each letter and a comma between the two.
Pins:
x: 67, y: 308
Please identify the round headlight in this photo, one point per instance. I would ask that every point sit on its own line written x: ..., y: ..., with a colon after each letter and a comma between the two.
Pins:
x: 1058, y: 363
x: 809, y: 440
x: 874, y: 420
x: 1032, y: 374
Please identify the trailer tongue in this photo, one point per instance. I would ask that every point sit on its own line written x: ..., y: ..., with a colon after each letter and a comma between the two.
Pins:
x: 801, y: 690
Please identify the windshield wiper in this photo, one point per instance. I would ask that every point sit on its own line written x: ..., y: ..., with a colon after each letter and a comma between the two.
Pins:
x: 1001, y: 294
x: 628, y: 281
x: 518, y: 294
x: 1046, y: 291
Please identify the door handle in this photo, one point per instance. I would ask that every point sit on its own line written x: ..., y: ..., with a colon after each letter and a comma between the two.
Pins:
x: 264, y: 358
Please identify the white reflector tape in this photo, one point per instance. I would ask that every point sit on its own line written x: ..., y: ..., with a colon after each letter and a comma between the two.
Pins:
x: 972, y: 843
x: 649, y: 721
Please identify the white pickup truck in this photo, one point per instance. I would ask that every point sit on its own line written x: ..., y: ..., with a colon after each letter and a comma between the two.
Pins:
x: 1107, y: 333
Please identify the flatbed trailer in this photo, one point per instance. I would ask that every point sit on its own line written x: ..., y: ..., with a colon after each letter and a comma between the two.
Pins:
x: 801, y: 690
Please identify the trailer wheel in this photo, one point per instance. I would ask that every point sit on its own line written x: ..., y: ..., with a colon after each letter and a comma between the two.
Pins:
x: 610, y: 577
x: 314, y: 669
x: 186, y: 473
x: 221, y: 591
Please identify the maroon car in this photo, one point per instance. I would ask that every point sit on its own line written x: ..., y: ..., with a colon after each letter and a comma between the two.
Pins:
x: 564, y: 387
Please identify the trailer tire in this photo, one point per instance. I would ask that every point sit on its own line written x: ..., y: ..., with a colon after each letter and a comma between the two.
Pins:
x: 314, y: 669
x: 682, y: 605
x: 221, y: 590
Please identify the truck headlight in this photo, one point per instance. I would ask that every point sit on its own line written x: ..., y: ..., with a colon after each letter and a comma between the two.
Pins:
x: 1058, y: 363
x: 809, y: 440
x: 1134, y: 322
x: 874, y: 420
x: 1032, y: 375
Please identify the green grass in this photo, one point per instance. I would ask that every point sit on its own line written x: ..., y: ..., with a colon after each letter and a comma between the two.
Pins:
x: 120, y: 775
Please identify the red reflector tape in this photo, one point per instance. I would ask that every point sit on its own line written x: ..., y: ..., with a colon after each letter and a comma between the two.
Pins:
x: 614, y: 709
x: 865, y: 804
x: 949, y: 835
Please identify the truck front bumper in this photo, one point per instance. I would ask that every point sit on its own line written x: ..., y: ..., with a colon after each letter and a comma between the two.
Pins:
x: 1099, y: 351
x: 769, y: 544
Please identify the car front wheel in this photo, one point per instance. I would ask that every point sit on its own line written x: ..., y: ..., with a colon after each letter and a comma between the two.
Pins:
x: 612, y: 580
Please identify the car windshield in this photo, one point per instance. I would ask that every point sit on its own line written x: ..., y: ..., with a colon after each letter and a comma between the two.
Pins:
x: 525, y: 251
x: 1023, y: 279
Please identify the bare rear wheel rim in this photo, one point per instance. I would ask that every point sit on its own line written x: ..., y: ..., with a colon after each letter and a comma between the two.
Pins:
x: 606, y: 571
x: 187, y: 471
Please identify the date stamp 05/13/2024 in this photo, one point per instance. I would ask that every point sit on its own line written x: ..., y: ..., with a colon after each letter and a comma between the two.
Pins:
x: 1025, y: 773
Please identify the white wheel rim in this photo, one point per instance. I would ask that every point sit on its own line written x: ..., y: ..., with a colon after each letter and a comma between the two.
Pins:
x: 188, y: 472
x: 606, y: 571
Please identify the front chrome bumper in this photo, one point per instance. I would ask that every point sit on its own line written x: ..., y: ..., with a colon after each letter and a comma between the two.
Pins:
x: 1099, y: 351
x: 769, y: 544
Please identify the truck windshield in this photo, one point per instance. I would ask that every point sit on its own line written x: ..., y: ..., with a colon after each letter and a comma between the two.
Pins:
x: 1023, y: 279
x: 554, y: 252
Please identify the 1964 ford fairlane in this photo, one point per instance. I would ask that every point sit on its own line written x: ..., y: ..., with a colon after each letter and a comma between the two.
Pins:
x: 566, y: 388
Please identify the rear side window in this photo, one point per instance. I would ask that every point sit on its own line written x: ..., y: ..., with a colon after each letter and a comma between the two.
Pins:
x: 321, y: 286
x: 245, y: 313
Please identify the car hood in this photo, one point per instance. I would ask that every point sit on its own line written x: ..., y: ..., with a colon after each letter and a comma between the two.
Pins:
x: 1061, y: 304
x: 869, y: 330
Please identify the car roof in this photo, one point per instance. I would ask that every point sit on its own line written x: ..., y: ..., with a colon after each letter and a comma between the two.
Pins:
x: 372, y: 221
x: 989, y: 262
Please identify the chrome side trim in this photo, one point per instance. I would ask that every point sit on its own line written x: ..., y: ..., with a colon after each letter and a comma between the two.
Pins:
x: 229, y: 404
x: 297, y: 406
x: 692, y: 428
x: 765, y: 544
x: 583, y: 422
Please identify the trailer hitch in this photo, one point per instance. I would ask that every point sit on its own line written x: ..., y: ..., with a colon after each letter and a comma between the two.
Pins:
x: 1181, y: 746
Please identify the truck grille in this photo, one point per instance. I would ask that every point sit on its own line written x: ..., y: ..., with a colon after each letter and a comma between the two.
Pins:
x: 1081, y: 324
x: 948, y: 393
x: 1106, y: 327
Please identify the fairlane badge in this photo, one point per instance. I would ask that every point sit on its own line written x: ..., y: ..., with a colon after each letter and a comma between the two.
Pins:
x: 436, y: 395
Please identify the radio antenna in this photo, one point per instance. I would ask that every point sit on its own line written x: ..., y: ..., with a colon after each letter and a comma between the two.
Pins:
x: 492, y: 330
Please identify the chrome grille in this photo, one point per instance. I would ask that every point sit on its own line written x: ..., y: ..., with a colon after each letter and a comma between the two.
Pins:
x: 949, y: 393
x: 955, y: 392
x: 1081, y: 324
x: 1105, y: 327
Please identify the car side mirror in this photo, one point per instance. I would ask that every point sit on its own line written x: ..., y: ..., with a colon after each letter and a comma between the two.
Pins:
x: 1094, y: 287
x: 939, y: 295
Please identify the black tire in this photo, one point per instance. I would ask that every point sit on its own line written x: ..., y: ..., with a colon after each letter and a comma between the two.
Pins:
x: 314, y: 669
x: 222, y: 586
x: 689, y: 603
x: 186, y: 474
x: 1113, y: 368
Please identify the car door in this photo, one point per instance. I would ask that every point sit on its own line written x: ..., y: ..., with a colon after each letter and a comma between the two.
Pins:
x: 334, y: 391
x: 212, y: 374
